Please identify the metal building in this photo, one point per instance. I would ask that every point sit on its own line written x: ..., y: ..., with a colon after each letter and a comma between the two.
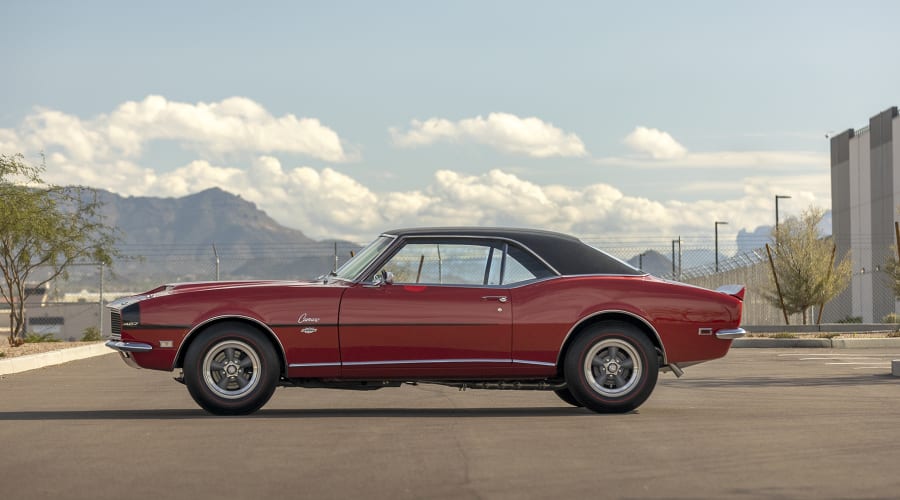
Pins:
x: 865, y: 198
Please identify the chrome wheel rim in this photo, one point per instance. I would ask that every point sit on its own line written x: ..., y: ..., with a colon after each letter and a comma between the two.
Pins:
x: 612, y: 367
x: 231, y: 369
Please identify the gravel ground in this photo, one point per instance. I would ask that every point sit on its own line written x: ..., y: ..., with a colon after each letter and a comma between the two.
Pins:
x: 25, y: 349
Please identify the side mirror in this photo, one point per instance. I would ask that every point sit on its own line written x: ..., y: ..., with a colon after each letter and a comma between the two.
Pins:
x: 383, y: 278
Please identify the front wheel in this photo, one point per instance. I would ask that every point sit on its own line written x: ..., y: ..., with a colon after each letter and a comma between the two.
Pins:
x: 611, y: 368
x: 231, y: 369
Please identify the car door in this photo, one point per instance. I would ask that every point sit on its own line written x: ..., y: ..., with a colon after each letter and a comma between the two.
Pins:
x: 443, y: 314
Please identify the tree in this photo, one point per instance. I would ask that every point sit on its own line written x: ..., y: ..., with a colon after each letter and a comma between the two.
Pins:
x: 893, y: 265
x: 804, y: 265
x: 44, y: 229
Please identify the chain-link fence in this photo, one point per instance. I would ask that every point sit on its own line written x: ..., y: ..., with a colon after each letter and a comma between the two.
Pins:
x: 690, y: 260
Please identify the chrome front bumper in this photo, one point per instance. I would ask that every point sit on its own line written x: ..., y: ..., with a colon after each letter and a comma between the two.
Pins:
x: 120, y: 346
x: 731, y: 334
x: 126, y: 348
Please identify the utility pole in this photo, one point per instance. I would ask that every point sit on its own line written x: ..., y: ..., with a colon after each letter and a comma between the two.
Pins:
x: 778, y: 197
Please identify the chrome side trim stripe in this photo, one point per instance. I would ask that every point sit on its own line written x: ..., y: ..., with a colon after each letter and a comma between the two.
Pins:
x: 421, y: 361
x: 424, y: 361
x: 527, y: 362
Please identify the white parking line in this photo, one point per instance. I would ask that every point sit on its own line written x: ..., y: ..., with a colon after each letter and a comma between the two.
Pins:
x: 832, y: 358
x: 837, y: 354
x: 868, y: 364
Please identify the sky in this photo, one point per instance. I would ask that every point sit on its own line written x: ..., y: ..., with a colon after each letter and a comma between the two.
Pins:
x: 343, y: 119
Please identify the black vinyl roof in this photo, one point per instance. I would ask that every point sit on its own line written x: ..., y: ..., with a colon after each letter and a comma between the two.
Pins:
x: 567, y: 254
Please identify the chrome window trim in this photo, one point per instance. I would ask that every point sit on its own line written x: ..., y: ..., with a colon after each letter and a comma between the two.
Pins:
x: 255, y: 321
x: 613, y: 311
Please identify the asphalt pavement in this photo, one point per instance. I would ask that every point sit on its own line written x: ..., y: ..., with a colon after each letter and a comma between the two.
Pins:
x: 760, y: 423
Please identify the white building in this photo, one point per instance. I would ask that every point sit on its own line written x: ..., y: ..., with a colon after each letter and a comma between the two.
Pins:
x: 865, y: 197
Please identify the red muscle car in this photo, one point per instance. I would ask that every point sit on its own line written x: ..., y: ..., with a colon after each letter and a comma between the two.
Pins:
x: 462, y: 307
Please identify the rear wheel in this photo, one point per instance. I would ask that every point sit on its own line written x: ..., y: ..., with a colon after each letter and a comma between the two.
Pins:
x: 611, y: 368
x: 567, y: 396
x: 231, y: 369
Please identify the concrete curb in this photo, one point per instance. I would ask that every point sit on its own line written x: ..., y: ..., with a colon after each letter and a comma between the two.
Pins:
x: 880, y: 343
x: 35, y: 361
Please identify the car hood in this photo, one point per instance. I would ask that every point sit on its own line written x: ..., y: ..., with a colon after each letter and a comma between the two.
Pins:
x: 218, y: 285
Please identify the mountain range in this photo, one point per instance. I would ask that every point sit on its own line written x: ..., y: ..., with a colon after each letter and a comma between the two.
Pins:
x: 204, y: 236
x: 214, y: 234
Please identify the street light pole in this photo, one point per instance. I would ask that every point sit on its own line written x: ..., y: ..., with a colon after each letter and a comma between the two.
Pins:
x: 778, y: 197
x: 717, y: 243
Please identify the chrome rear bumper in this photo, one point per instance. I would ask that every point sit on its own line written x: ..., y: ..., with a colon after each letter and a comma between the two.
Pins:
x: 731, y: 334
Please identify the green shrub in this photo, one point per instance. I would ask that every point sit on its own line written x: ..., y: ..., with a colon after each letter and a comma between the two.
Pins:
x: 850, y: 319
x: 891, y: 318
x: 828, y: 335
x: 35, y: 338
x: 91, y: 334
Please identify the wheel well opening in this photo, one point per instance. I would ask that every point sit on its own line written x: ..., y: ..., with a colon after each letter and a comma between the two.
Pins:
x: 179, y: 361
x: 612, y: 316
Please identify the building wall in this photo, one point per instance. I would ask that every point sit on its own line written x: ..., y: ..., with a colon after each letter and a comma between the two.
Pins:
x: 865, y: 192
x: 75, y: 318
x: 860, y: 239
x: 884, y: 207
x: 843, y: 183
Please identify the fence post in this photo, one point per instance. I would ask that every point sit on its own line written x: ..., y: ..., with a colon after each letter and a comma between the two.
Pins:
x: 101, y: 300
x: 216, y: 254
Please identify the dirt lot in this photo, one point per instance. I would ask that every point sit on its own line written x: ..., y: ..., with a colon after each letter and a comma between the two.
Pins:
x: 36, y: 348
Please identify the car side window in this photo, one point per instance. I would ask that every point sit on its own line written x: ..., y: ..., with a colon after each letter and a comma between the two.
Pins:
x: 441, y: 263
x: 522, y: 266
x: 464, y: 263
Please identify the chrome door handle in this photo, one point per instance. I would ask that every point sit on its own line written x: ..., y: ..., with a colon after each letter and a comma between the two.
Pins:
x: 498, y: 298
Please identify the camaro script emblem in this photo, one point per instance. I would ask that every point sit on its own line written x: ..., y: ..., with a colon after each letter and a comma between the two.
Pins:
x: 304, y: 318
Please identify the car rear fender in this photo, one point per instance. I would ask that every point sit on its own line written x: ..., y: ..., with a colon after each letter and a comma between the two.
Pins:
x: 613, y: 315
x: 262, y: 327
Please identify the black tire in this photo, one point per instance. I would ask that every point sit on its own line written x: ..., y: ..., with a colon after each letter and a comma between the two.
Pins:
x: 231, y: 369
x: 611, y: 367
x: 567, y: 396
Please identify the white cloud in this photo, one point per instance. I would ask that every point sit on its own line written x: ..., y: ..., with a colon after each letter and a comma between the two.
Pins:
x: 233, y: 125
x: 106, y: 152
x: 326, y: 203
x: 656, y: 143
x: 502, y: 131
x: 655, y: 148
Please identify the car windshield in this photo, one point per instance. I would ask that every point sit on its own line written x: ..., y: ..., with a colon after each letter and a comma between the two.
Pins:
x: 353, y: 267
